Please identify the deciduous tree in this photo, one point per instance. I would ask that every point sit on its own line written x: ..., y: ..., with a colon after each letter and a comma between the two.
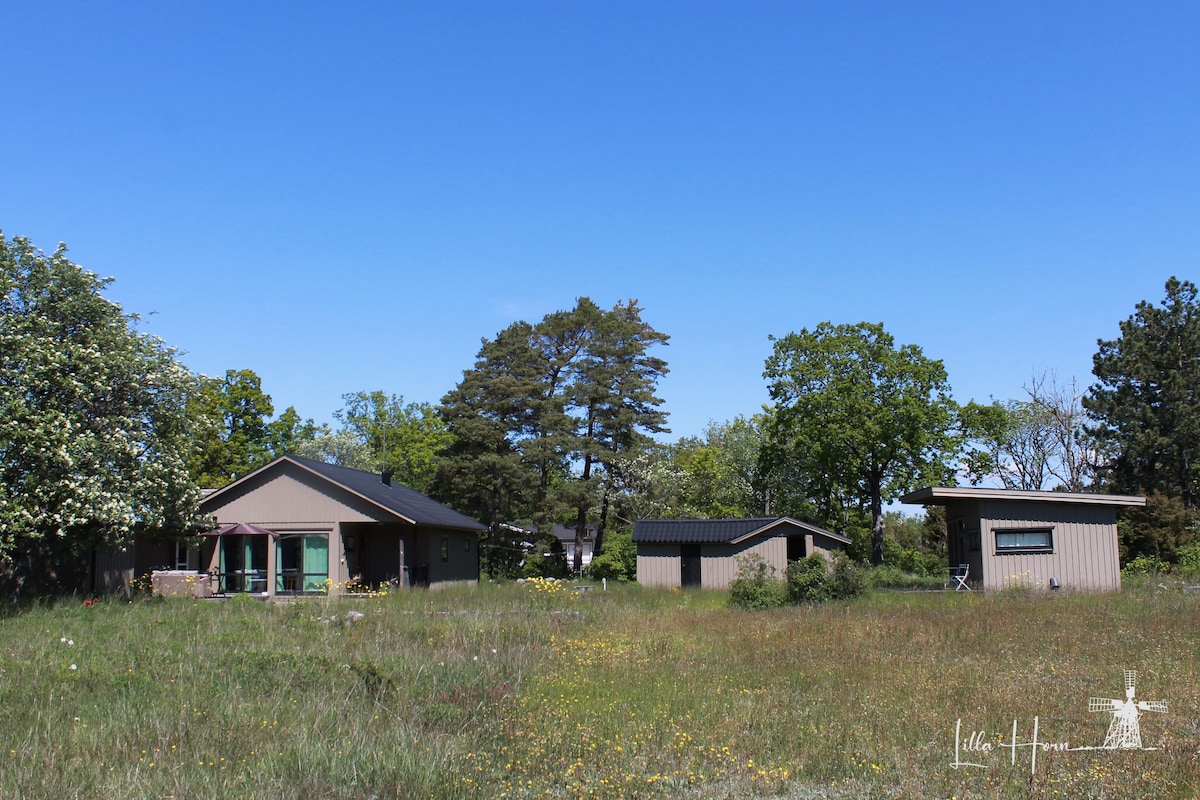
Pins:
x: 235, y: 433
x: 404, y: 439
x: 93, y: 425
x: 862, y: 420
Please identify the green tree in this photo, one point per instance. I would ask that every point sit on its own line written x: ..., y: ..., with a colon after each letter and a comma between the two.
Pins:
x: 613, y: 393
x: 720, y: 472
x: 859, y: 420
x: 543, y: 422
x: 235, y: 433
x: 93, y: 424
x: 1036, y: 443
x: 404, y: 439
x: 491, y: 471
x: 1010, y: 442
x: 1146, y: 403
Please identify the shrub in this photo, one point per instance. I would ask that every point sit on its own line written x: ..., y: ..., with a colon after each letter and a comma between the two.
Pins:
x: 890, y: 576
x: 1189, y: 560
x: 819, y: 578
x: 755, y: 586
x: 1145, y: 565
x: 617, y: 561
x: 846, y: 578
x: 808, y: 580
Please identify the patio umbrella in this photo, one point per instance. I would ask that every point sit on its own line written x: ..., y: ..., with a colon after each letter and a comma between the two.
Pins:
x: 241, y: 529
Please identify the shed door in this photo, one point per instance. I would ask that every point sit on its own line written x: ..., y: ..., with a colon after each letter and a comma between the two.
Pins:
x: 689, y: 565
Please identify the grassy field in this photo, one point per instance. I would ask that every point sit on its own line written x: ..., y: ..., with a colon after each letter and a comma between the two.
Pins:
x: 527, y: 691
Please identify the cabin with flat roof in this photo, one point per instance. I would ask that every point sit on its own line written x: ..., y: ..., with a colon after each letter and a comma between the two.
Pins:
x: 1010, y: 538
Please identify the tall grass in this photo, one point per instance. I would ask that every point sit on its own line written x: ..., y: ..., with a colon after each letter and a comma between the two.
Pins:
x: 520, y: 692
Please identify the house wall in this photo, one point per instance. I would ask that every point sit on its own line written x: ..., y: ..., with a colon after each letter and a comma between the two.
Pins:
x: 288, y: 496
x: 1085, y: 553
x: 661, y: 564
x: 461, y: 555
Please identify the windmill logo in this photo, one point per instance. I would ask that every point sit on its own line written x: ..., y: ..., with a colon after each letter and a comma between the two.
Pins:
x: 1124, y: 733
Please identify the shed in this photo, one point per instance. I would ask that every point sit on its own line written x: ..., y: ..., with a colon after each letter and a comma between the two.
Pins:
x: 326, y: 526
x: 704, y: 552
x: 1014, y: 538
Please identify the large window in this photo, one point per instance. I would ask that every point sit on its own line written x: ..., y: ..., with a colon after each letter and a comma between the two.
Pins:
x: 302, y: 563
x: 1024, y: 540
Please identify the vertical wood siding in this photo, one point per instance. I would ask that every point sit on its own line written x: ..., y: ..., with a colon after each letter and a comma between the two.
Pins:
x: 292, y: 495
x: 658, y: 565
x: 661, y: 564
x: 1085, y: 553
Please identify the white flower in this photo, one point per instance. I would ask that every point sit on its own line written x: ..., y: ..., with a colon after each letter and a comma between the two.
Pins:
x: 74, y: 667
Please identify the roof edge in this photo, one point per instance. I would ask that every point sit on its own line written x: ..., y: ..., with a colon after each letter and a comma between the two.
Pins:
x: 940, y: 495
x: 792, y: 521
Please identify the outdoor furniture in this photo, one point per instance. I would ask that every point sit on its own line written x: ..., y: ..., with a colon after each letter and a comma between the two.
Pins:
x: 958, y: 577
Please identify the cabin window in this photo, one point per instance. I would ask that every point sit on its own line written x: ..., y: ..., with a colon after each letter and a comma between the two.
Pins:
x: 445, y: 548
x: 183, y: 556
x: 301, y: 563
x: 1024, y: 540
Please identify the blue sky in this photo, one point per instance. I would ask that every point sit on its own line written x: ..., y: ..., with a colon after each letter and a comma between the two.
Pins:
x: 349, y: 196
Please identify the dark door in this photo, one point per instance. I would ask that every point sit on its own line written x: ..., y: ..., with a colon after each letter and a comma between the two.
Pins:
x: 689, y: 565
x: 796, y: 548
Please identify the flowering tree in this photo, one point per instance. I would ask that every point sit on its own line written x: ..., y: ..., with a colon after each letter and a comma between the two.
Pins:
x: 93, y: 430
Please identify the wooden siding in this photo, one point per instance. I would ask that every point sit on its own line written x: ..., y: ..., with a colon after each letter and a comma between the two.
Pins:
x: 293, y: 496
x: 462, y: 555
x: 1085, y: 546
x: 660, y: 565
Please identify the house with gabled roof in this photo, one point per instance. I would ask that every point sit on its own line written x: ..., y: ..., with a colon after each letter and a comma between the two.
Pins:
x: 704, y: 552
x: 325, y: 526
x: 1011, y: 538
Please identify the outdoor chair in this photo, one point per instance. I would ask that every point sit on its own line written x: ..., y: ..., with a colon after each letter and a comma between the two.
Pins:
x: 958, y: 577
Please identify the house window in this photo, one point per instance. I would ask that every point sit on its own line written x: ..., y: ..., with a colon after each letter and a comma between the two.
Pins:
x: 301, y: 563
x: 445, y: 548
x: 182, y: 556
x: 1024, y: 540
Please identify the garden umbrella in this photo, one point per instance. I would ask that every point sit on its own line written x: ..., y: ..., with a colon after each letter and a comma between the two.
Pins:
x: 240, y: 529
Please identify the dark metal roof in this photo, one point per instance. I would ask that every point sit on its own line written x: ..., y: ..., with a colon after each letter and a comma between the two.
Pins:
x: 400, y: 500
x: 721, y: 531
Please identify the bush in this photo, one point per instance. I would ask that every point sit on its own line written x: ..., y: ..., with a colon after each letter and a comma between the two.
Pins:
x: 1145, y: 565
x: 755, y: 586
x: 890, y: 576
x: 819, y: 578
x: 847, y: 579
x: 1189, y: 560
x: 808, y: 580
x: 617, y: 561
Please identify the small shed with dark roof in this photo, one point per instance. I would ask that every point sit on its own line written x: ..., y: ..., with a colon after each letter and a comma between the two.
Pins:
x: 328, y: 526
x: 1011, y: 538
x: 704, y: 552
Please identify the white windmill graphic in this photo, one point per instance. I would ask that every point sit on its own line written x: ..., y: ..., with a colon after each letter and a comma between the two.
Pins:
x: 1124, y: 732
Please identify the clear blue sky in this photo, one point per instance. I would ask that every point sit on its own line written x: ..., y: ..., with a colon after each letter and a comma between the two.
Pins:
x: 349, y: 196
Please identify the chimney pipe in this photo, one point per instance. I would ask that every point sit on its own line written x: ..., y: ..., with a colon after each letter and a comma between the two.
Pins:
x: 386, y: 477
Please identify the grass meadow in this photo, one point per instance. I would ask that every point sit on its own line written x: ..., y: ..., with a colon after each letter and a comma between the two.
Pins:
x: 538, y: 691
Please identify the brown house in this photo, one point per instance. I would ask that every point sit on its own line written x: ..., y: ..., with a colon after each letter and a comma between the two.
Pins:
x: 704, y: 552
x: 308, y: 526
x: 1010, y: 538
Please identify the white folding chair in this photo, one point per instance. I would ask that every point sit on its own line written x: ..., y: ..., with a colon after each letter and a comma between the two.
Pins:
x: 958, y: 576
